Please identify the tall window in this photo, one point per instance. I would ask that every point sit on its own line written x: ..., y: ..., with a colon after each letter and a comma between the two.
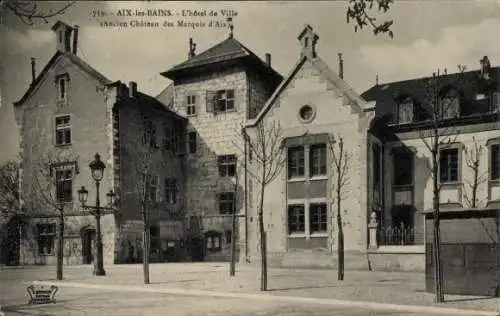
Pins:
x: 170, y: 191
x: 227, y: 165
x: 192, y: 142
x: 450, y: 105
x: 377, y: 152
x: 46, y: 234
x: 448, y: 165
x: 63, y: 130
x: 403, y: 167
x: 295, y: 162
x: 61, y: 88
x: 226, y: 202
x: 495, y: 102
x: 191, y: 105
x: 317, y: 160
x: 151, y: 187
x: 149, y: 133
x: 154, y: 234
x: 495, y: 162
x: 296, y: 219
x: 225, y: 100
x: 405, y: 111
x: 64, y: 185
x: 318, y: 219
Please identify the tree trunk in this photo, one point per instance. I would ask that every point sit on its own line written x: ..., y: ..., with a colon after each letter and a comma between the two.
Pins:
x: 232, y: 267
x: 60, y: 245
x: 145, y: 246
x: 263, y: 240
x: 438, y: 277
x: 340, y: 246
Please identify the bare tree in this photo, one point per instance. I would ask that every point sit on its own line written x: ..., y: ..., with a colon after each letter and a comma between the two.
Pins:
x: 362, y: 13
x: 437, y: 138
x: 149, y: 157
x: 339, y: 170
x: 268, y: 159
x: 472, y: 161
x: 53, y: 176
x: 29, y: 11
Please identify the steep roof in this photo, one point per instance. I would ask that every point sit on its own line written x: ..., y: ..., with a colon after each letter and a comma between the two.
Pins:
x: 75, y: 59
x: 387, y: 94
x: 355, y: 101
x: 226, y: 51
x: 145, y: 100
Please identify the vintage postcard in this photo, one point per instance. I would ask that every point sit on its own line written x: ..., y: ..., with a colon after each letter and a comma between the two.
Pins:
x: 250, y: 157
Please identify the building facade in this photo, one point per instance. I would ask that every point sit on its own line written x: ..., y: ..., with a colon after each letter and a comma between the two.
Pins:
x: 69, y: 113
x: 218, y: 91
x: 462, y: 110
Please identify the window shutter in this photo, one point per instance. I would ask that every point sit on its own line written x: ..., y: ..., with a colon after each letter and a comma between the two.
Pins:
x: 211, y: 99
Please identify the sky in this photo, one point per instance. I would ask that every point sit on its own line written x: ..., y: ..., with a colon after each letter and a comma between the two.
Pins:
x: 427, y: 35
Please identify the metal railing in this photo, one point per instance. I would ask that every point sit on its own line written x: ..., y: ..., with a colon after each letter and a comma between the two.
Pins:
x: 400, y: 235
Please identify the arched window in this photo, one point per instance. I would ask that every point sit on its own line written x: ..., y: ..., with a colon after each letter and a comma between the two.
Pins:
x: 450, y: 104
x: 405, y: 110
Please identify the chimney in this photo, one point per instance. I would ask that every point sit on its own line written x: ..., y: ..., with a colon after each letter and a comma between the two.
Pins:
x: 341, y: 66
x: 308, y: 39
x: 192, y: 48
x: 132, y: 89
x: 63, y: 32
x: 33, y: 71
x: 75, y: 39
x: 268, y: 60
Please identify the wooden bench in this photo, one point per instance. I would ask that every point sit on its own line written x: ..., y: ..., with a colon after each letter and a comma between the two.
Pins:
x: 42, y: 294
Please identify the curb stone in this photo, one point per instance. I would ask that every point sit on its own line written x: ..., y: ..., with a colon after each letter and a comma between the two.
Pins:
x: 296, y: 299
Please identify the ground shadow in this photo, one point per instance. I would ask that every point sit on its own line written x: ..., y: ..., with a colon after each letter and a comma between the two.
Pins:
x: 470, y: 299
x: 306, y: 287
x: 178, y: 281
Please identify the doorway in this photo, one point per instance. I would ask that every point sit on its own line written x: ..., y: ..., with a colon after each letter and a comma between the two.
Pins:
x: 88, y: 236
x: 197, y: 248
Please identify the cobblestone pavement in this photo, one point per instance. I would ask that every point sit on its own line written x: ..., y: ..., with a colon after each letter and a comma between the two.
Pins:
x: 381, y: 287
x: 97, y: 302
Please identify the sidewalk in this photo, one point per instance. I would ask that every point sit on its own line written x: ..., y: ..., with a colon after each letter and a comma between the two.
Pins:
x: 379, y: 287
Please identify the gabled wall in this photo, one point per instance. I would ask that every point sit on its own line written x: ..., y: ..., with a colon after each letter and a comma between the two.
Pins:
x: 333, y: 116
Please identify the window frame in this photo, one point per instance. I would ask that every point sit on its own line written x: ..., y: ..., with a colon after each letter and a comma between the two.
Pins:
x: 322, y: 160
x: 151, y: 186
x: 62, y: 183
x: 51, y: 239
x: 65, y: 128
x: 221, y: 97
x: 453, y: 146
x: 297, y: 219
x: 493, y: 142
x: 191, y: 109
x: 316, y: 206
x: 454, y: 94
x: 192, y: 142
x: 397, y: 152
x: 409, y: 104
x: 299, y: 171
x: 226, y: 165
x: 227, y: 199
x: 170, y: 190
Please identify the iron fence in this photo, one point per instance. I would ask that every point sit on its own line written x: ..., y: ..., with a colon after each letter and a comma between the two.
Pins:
x: 400, y: 235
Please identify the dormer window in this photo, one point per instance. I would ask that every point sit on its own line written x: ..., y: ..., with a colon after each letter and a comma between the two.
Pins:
x: 450, y: 105
x: 405, y: 111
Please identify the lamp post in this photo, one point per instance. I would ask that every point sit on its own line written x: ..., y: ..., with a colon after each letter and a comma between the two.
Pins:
x: 97, y: 172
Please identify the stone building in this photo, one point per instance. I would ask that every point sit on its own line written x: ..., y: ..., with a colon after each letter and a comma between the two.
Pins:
x: 465, y: 106
x: 311, y: 105
x: 70, y: 112
x: 218, y: 91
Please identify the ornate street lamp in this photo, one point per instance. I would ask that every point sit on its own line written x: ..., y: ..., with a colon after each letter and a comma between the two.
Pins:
x: 97, y: 171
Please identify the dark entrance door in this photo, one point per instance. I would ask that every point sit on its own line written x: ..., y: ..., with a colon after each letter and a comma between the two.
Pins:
x: 197, y: 248
x: 11, y: 243
x: 87, y: 244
